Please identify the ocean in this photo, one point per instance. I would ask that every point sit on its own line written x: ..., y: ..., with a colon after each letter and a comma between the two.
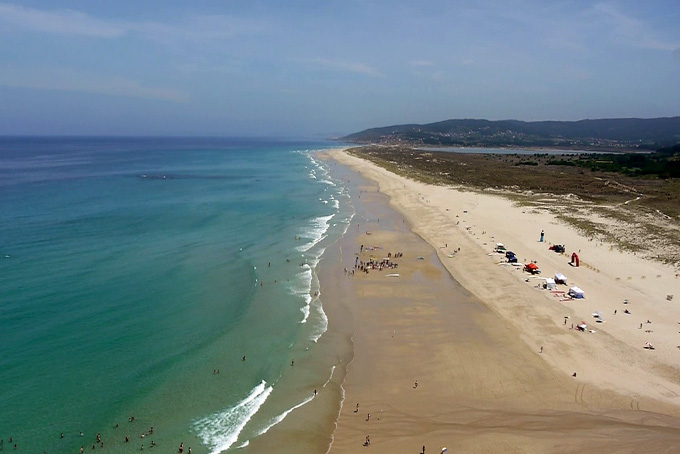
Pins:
x: 161, y: 282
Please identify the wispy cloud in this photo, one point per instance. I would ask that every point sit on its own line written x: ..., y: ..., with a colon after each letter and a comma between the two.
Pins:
x: 347, y: 66
x: 67, y: 22
x: 201, y: 28
x: 68, y: 80
x: 629, y: 30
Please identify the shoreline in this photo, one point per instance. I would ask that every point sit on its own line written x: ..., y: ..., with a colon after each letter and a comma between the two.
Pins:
x: 616, y: 376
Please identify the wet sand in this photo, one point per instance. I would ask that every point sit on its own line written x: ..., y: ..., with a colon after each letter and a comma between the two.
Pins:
x: 482, y: 385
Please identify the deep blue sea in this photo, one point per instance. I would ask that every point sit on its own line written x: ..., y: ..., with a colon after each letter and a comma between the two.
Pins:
x: 132, y: 270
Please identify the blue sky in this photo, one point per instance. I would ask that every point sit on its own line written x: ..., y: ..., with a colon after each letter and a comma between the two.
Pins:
x: 227, y: 67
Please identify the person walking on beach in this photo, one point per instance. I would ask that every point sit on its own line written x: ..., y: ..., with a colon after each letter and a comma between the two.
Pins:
x: 542, y: 235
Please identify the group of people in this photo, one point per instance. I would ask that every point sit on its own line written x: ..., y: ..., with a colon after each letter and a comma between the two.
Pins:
x: 374, y: 264
x: 100, y: 442
x: 11, y: 440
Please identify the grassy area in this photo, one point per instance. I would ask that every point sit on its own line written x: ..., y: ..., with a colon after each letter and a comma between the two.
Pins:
x: 665, y: 163
x: 637, y: 213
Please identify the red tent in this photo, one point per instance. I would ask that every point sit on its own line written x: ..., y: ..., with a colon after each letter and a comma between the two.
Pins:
x: 574, y: 259
x: 531, y: 268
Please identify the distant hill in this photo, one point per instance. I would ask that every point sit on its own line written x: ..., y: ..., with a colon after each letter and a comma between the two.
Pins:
x: 622, y: 133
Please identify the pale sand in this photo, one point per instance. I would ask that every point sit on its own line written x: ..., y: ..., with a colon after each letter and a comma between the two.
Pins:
x: 483, y: 385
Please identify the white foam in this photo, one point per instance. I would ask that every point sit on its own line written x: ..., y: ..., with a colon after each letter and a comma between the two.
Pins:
x: 323, y: 170
x: 221, y: 430
x: 243, y: 445
x: 316, y: 233
x: 305, y: 279
x: 277, y: 419
x: 305, y: 309
x: 323, y: 325
x: 313, y: 261
x: 336, y: 202
x: 304, y: 289
x: 342, y: 403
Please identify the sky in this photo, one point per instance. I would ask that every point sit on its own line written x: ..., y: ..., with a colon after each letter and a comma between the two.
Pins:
x: 322, y: 68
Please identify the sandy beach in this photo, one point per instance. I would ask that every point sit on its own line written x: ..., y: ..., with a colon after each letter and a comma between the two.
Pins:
x: 463, y: 351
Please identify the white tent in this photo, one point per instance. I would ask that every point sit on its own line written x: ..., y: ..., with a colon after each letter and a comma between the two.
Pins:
x: 576, y: 292
x: 560, y: 278
x: 549, y: 284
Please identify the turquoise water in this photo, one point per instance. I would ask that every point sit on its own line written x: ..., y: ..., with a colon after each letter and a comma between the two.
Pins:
x: 132, y: 269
